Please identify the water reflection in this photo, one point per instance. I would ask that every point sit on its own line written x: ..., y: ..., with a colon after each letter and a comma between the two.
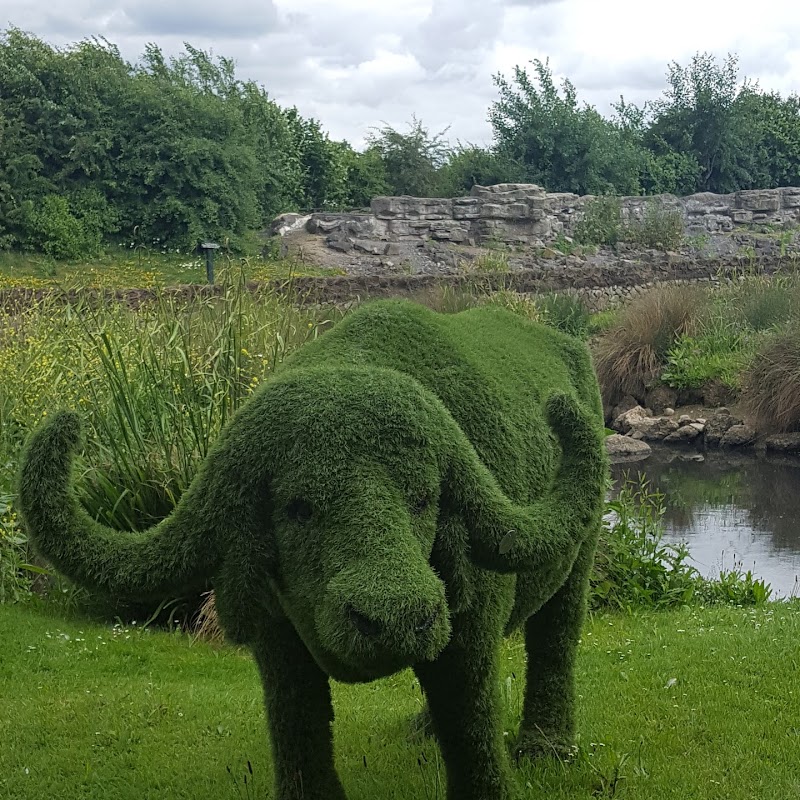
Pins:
x: 732, y: 510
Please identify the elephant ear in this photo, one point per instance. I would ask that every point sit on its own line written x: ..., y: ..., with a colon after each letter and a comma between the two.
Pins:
x: 508, y: 537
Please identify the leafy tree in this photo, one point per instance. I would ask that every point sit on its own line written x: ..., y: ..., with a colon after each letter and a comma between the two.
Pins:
x: 563, y: 146
x: 708, y: 114
x: 411, y: 160
x: 468, y: 165
x: 778, y: 120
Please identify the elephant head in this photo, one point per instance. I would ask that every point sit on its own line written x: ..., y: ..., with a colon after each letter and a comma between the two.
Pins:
x: 319, y: 502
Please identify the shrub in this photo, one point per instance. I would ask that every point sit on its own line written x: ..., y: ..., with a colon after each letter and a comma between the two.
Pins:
x: 660, y: 228
x: 566, y: 313
x: 630, y: 356
x: 633, y: 566
x: 771, y: 385
x: 714, y: 355
x: 50, y: 226
x: 601, y: 222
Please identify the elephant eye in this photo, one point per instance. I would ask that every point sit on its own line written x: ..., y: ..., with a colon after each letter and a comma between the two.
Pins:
x: 299, y: 511
x: 421, y: 505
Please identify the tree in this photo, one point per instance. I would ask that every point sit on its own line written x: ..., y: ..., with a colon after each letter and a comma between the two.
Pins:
x: 708, y: 114
x: 410, y: 160
x: 468, y: 165
x: 564, y: 146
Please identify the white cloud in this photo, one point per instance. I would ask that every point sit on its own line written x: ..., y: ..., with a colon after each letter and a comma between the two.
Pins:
x: 355, y: 64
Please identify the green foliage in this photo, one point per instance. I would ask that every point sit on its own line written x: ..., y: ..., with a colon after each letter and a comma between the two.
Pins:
x: 50, y: 227
x: 410, y: 160
x: 706, y: 112
x: 15, y: 574
x: 734, y: 587
x: 601, y: 221
x: 660, y: 228
x: 566, y: 313
x: 634, y: 566
x: 470, y: 165
x: 697, y: 360
x: 559, y: 144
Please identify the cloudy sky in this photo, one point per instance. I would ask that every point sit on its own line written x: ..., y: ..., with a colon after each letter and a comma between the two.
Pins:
x: 354, y: 64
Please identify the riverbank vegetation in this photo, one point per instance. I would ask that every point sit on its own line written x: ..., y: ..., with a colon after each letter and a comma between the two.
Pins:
x: 156, y: 383
x: 739, y: 342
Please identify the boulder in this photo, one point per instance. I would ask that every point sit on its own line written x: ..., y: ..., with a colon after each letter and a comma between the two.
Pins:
x: 624, y: 447
x: 717, y: 426
x: 655, y: 429
x: 661, y: 398
x: 738, y: 436
x: 788, y: 443
x: 626, y: 404
x: 625, y: 422
x: 685, y: 434
x: 288, y: 223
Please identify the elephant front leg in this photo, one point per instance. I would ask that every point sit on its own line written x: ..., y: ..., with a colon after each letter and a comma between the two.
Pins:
x: 300, y: 716
x: 551, y: 641
x: 462, y: 692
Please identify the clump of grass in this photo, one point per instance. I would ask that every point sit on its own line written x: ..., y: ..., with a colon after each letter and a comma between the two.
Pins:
x: 566, y: 313
x: 760, y: 303
x: 489, y: 261
x: 771, y: 385
x: 520, y: 304
x: 630, y: 356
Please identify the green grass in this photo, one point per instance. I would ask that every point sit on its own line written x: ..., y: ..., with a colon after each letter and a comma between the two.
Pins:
x: 696, y: 703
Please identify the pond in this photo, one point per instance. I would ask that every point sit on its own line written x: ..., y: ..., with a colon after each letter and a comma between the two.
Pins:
x: 732, y: 510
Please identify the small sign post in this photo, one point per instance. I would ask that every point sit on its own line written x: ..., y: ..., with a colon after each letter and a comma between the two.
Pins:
x: 208, y: 249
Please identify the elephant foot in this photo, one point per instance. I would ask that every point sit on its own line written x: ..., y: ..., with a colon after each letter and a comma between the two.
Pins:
x: 537, y: 745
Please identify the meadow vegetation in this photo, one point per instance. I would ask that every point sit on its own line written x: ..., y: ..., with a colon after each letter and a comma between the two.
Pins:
x: 743, y: 335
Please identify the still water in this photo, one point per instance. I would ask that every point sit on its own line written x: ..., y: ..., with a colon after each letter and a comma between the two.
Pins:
x: 732, y: 511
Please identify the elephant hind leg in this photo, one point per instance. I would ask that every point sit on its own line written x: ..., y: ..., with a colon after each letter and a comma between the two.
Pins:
x: 551, y: 642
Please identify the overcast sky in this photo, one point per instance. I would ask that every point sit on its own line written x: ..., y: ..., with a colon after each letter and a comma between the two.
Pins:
x: 354, y: 64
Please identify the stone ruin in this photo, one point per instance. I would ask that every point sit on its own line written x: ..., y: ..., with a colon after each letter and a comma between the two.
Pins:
x: 526, y: 215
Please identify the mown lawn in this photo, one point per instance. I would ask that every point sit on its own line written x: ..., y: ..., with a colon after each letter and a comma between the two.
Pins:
x: 698, y: 703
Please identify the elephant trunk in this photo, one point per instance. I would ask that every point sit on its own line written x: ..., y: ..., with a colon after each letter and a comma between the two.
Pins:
x: 546, y: 535
x: 170, y: 558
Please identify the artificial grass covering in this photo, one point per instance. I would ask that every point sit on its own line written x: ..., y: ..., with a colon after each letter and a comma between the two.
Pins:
x: 403, y: 492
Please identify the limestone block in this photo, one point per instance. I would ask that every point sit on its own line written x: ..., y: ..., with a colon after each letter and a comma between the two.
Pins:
x: 759, y: 200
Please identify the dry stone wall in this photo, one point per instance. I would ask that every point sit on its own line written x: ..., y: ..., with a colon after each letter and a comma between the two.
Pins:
x: 525, y: 214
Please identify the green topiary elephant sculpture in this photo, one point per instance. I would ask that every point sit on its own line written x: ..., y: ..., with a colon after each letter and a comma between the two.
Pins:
x: 402, y: 492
